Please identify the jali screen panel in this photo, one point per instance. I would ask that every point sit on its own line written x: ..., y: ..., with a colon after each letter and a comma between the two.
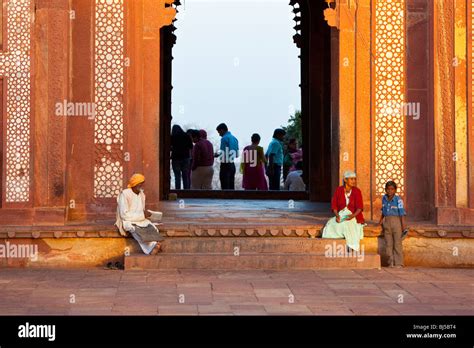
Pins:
x: 390, y: 107
x: 109, y: 85
x: 15, y: 66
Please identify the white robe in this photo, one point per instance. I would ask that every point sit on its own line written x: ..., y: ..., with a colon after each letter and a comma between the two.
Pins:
x: 130, y: 212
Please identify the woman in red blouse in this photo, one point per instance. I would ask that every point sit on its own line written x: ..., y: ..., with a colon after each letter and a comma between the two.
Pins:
x: 347, y: 205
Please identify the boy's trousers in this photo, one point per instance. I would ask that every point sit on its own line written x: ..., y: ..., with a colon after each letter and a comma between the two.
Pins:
x: 392, y: 227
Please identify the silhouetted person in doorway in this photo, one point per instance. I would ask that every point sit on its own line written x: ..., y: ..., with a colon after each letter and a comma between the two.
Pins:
x: 252, y: 165
x: 181, y: 147
x: 274, y: 155
x: 229, y: 151
x: 293, y: 155
x: 203, y: 162
x: 294, y: 180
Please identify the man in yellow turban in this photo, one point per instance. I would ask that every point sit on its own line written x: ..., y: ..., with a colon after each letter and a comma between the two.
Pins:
x: 132, y: 216
x: 136, y: 180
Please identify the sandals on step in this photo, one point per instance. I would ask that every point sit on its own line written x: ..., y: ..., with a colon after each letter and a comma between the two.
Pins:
x: 114, y: 266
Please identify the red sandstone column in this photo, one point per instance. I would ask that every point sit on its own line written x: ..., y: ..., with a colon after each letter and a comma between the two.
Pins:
x: 347, y: 89
x: 335, y: 109
x: 419, y: 143
x: 470, y: 122
x: 444, y: 112
x: 355, y: 132
x: 145, y: 19
x: 50, y: 83
x: 363, y: 117
x: 134, y: 90
x: 80, y: 142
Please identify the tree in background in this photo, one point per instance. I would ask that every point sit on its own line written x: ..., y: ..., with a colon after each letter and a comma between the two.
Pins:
x: 293, y: 129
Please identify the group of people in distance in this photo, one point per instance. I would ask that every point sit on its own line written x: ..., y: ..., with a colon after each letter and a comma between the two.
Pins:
x: 193, y: 156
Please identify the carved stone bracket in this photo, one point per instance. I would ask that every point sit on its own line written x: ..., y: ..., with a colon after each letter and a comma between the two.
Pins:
x: 168, y: 12
x: 331, y: 14
x: 338, y: 8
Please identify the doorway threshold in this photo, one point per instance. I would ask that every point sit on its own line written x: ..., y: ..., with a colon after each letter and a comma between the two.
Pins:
x: 242, y: 194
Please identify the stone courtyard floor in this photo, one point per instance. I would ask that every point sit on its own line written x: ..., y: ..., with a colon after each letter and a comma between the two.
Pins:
x: 409, y: 291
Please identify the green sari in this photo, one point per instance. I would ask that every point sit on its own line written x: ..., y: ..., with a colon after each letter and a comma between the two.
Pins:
x: 350, y: 230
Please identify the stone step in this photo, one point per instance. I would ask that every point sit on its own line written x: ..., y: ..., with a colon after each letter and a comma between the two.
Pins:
x: 249, y: 261
x: 230, y: 245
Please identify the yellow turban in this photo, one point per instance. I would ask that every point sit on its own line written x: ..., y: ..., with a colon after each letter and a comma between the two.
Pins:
x: 135, y: 180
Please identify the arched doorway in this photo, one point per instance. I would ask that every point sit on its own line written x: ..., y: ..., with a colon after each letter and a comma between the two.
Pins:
x: 313, y: 38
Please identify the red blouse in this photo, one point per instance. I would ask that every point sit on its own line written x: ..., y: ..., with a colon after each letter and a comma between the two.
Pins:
x: 338, y: 202
x: 203, y: 154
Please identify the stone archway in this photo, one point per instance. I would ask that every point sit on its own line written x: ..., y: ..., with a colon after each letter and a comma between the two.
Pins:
x: 52, y: 166
x: 124, y: 80
x: 313, y: 37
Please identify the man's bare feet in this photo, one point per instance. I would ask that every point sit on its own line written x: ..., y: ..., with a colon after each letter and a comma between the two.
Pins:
x: 157, y: 249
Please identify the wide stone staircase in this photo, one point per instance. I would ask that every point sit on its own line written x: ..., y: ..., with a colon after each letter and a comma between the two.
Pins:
x: 250, y: 253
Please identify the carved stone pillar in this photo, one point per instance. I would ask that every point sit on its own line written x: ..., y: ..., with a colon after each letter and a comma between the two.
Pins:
x: 146, y: 18
x: 445, y: 179
x: 354, y: 135
x: 80, y: 138
x: 51, y: 86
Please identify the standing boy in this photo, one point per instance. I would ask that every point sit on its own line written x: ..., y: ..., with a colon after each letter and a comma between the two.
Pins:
x: 393, y: 224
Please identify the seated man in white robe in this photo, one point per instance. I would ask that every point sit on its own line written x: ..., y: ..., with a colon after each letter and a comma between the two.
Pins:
x: 132, y: 217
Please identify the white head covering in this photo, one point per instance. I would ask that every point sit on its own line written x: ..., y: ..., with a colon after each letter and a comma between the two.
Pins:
x: 349, y: 174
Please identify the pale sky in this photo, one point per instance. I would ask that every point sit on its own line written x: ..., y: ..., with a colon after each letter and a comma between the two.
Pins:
x: 235, y: 62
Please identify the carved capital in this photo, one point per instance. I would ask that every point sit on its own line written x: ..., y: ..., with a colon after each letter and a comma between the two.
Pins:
x: 167, y: 12
x: 331, y: 14
x: 332, y: 17
x: 340, y: 13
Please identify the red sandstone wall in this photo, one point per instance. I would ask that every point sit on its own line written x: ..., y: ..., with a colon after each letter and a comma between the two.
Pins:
x: 63, y: 149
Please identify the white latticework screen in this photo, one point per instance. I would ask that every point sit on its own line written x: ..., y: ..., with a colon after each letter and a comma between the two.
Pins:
x: 471, y: 58
x: 389, y: 93
x: 15, y: 67
x: 109, y: 84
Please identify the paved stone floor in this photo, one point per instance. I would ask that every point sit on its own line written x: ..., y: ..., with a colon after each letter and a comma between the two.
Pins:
x: 245, y: 211
x: 406, y: 291
x: 277, y: 212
